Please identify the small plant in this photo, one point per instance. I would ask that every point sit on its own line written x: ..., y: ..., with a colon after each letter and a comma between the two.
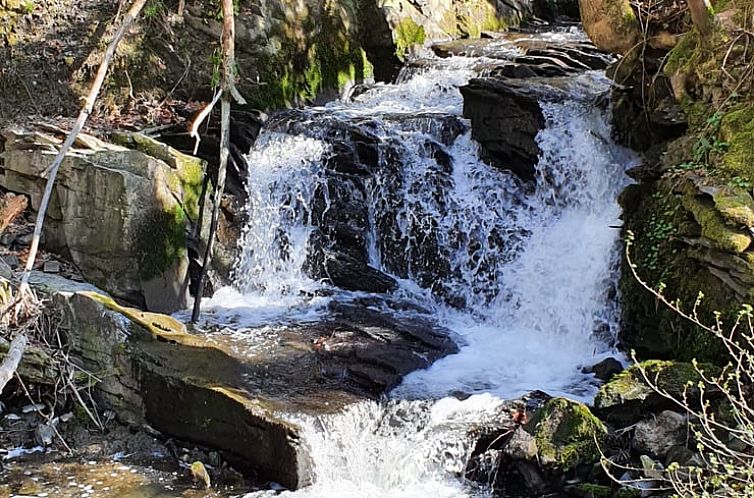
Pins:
x: 216, y: 59
x: 28, y: 6
x: 739, y: 182
x: 153, y: 9
x: 658, y: 230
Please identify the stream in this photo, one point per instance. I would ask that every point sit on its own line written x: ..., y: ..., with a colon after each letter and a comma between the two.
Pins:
x: 522, y: 274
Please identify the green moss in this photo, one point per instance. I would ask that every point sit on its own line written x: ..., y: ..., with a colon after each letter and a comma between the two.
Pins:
x: 735, y: 205
x: 737, y: 129
x: 681, y: 57
x: 160, y: 241
x: 407, y: 34
x: 566, y: 432
x: 714, y: 227
x: 627, y: 492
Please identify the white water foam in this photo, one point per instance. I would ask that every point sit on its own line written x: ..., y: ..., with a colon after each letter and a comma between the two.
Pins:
x: 402, y: 449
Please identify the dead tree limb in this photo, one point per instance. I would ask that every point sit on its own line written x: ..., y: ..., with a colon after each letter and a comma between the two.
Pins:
x: 701, y: 15
x: 52, y: 171
x: 229, y: 91
x: 13, y: 358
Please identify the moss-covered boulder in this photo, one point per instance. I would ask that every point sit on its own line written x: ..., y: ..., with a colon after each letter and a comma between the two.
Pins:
x: 567, y: 434
x: 611, y: 24
x: 628, y: 397
x: 120, y: 214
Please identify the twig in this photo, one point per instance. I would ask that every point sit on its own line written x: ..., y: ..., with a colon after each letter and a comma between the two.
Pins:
x: 201, y: 117
x: 42, y: 414
x: 77, y: 127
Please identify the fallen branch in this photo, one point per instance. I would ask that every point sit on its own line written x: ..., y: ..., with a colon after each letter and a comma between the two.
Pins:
x: 10, y: 364
x: 129, y: 18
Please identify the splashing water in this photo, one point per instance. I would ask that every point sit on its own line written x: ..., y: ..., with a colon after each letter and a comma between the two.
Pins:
x: 524, y: 275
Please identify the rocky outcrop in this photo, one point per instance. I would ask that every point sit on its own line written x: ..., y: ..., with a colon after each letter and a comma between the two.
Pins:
x: 120, y: 215
x: 200, y: 389
x: 629, y: 397
x: 504, y: 108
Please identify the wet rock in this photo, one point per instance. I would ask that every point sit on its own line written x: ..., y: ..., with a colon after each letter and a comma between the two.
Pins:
x: 505, y: 119
x: 658, y: 434
x: 606, y: 369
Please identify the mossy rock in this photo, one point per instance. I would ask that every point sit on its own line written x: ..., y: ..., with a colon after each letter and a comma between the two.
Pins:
x: 566, y: 432
x: 737, y: 129
x: 735, y: 205
x: 407, y: 34
x: 628, y: 397
x: 714, y: 226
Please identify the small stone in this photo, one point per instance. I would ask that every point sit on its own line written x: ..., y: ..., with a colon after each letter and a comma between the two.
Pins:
x: 606, y: 369
x: 5, y: 271
x: 51, y: 267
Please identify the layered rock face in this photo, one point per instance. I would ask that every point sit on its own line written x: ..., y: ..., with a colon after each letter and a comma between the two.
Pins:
x: 120, y: 215
x: 686, y: 103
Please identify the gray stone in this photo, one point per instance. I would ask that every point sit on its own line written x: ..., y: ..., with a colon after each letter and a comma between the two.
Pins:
x: 658, y: 434
x: 51, y: 267
x: 521, y: 445
x: 5, y: 270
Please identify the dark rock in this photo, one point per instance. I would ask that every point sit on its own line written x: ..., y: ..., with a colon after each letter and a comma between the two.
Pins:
x: 11, y: 260
x: 351, y: 274
x: 505, y: 119
x: 51, y: 267
x: 605, y: 369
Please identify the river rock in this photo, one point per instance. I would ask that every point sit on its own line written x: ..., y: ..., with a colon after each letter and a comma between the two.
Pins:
x: 120, y: 215
x: 505, y: 119
x: 658, y: 434
x: 240, y: 401
x: 606, y: 369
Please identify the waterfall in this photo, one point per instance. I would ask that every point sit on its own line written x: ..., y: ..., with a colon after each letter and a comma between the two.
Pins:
x: 524, y: 274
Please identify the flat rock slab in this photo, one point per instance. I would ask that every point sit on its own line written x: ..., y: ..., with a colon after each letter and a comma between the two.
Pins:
x: 241, y: 400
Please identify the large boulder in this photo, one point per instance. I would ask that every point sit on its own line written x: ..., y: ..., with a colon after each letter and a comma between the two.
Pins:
x: 120, y: 214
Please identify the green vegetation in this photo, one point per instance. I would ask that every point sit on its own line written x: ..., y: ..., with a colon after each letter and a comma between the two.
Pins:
x: 408, y: 34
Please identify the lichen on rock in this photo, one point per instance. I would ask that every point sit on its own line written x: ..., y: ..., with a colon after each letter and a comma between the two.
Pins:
x: 567, y: 434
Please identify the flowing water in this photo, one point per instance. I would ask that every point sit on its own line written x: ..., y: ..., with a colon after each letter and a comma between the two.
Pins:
x: 523, y: 274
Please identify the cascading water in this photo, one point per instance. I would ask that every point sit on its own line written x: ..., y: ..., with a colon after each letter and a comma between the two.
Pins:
x: 523, y: 275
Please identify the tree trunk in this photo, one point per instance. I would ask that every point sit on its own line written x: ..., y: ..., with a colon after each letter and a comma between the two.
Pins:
x: 228, y: 87
x: 131, y: 15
